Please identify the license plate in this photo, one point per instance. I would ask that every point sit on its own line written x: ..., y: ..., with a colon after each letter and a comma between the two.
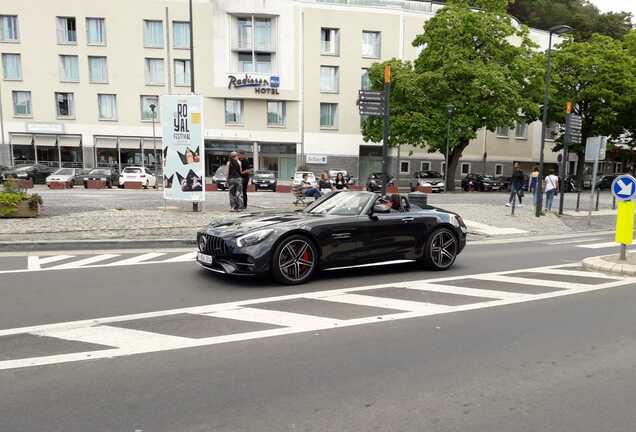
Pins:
x: 206, y: 259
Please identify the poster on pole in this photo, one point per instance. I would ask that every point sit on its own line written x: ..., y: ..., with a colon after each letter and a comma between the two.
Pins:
x: 183, y: 147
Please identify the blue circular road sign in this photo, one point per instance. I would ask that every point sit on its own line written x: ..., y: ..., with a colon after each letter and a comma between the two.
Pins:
x: 624, y: 187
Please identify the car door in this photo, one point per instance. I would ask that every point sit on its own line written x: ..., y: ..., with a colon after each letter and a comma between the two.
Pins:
x: 386, y: 237
x: 339, y: 239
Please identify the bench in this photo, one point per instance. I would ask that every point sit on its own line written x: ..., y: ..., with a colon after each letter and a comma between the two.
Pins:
x: 298, y: 193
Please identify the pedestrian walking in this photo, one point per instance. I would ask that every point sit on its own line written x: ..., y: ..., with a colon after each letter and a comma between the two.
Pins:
x: 235, y: 182
x: 551, y: 185
x: 516, y: 186
x: 533, y: 183
x: 246, y: 170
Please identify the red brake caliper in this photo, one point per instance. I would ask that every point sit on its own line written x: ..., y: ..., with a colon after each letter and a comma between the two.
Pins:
x: 306, y: 255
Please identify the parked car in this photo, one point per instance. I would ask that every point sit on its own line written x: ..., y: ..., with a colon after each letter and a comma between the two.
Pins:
x: 62, y: 175
x: 108, y: 175
x: 36, y: 172
x: 138, y: 174
x: 376, y: 180
x: 219, y: 178
x: 264, y: 180
x: 605, y: 182
x: 506, y: 182
x: 432, y: 179
x: 297, y: 179
x: 3, y: 170
x: 81, y: 174
x: 482, y: 183
x: 338, y: 230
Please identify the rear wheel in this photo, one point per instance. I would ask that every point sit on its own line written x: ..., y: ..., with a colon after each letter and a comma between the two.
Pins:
x: 295, y: 260
x: 441, y: 249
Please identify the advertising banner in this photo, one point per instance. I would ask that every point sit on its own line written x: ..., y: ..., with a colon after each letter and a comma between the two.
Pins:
x: 183, y: 148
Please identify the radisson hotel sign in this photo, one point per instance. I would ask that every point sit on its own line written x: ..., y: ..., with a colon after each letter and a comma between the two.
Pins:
x: 260, y: 85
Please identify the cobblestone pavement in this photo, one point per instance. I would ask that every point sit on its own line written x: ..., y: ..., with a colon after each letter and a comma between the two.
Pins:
x: 106, y: 214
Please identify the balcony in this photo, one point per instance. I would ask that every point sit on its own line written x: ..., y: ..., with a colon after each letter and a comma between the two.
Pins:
x: 242, y: 45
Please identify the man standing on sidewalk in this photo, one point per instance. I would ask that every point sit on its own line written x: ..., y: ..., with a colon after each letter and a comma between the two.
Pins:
x: 245, y: 174
x: 516, y: 185
x: 235, y: 182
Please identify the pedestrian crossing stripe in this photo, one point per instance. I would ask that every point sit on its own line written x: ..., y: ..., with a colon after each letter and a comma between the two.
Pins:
x: 121, y: 341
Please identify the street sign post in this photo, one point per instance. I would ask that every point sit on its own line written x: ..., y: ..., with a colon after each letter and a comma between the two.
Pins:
x: 624, y: 190
x: 573, y: 124
x: 594, y: 151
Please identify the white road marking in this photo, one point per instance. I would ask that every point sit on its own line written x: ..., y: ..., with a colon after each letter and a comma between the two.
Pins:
x: 279, y: 318
x: 529, y: 281
x: 137, y: 259
x: 565, y: 242
x: 600, y: 245
x: 182, y: 258
x: 473, y: 292
x: 490, y: 230
x: 582, y: 273
x: 35, y: 262
x: 128, y: 342
x: 82, y: 262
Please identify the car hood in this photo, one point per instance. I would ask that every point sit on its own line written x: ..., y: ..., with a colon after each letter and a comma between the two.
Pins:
x: 430, y: 180
x: 233, y: 227
x: 58, y: 177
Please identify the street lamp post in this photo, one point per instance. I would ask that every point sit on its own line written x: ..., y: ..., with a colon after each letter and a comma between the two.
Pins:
x: 556, y: 30
x: 450, y: 112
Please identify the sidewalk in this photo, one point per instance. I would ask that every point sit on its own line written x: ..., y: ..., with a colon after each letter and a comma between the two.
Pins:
x: 80, y: 214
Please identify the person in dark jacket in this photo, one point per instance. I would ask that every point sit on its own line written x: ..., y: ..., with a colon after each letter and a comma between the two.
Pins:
x: 235, y: 182
x: 516, y: 186
x: 245, y: 174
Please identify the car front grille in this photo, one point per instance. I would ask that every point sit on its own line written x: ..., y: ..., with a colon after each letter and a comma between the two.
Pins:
x: 215, y: 246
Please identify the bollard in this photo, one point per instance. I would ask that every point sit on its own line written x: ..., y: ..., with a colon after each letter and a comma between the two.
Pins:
x: 512, y: 207
x: 598, y: 196
x: 613, y: 202
x: 578, y: 200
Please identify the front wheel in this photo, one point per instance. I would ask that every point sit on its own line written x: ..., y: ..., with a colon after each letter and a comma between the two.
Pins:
x: 294, y: 261
x: 441, y: 249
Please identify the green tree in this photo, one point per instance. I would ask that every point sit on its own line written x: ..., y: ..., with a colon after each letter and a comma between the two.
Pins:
x: 469, y: 62
x: 599, y: 77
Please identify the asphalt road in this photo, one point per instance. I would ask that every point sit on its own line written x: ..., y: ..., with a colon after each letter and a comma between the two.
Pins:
x: 501, y: 343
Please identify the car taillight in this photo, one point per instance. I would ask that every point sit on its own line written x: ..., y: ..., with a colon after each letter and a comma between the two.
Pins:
x: 142, y: 176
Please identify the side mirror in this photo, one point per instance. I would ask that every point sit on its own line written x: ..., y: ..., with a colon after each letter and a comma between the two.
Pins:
x: 380, y: 209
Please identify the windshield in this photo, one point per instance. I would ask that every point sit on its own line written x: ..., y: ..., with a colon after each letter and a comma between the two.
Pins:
x: 129, y: 170
x: 100, y: 172
x: 343, y: 204
x: 25, y: 168
x: 430, y: 174
x: 264, y: 174
x: 64, y: 171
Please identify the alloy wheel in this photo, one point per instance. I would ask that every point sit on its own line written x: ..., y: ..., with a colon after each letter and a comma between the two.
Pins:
x: 443, y: 249
x: 296, y: 260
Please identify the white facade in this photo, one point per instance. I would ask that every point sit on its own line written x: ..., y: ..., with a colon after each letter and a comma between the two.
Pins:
x: 280, y: 79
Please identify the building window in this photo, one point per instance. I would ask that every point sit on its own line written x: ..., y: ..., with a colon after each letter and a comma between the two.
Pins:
x: 521, y: 130
x: 153, y: 34
x: 154, y: 72
x: 96, y: 31
x: 181, y: 34
x: 64, y: 104
x: 503, y: 131
x: 328, y: 115
x: 329, y: 79
x: 253, y: 44
x: 245, y: 33
x: 146, y: 112
x: 329, y: 41
x: 97, y: 69
x: 107, y: 104
x: 69, y: 68
x: 263, y: 63
x: 246, y: 63
x: 22, y: 103
x: 405, y: 167
x: 12, y: 67
x: 618, y: 167
x: 365, y: 82
x: 259, y: 63
x: 425, y: 166
x: 371, y: 42
x: 233, y: 111
x: 498, y: 169
x: 465, y: 168
x: 9, y: 28
x: 66, y: 31
x: 276, y: 113
x: 182, y: 72
x: 262, y: 34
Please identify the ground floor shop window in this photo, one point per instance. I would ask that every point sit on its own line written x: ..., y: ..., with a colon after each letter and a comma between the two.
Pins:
x: 498, y: 169
x: 71, y: 156
x: 23, y: 154
x: 465, y: 168
x: 405, y: 167
x: 106, y: 157
x: 425, y: 166
x: 48, y: 156
x: 130, y: 157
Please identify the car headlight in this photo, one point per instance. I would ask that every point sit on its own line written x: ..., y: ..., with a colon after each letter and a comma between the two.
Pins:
x: 253, y: 238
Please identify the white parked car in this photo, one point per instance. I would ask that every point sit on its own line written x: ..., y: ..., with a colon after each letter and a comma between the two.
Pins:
x: 138, y: 174
x: 63, y: 175
x: 298, y: 177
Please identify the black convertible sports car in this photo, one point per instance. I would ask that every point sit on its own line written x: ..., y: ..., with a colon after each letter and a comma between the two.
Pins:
x: 341, y: 229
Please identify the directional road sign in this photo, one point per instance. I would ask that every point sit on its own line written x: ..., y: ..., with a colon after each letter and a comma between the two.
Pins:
x: 573, y: 127
x: 624, y: 187
x: 371, y: 103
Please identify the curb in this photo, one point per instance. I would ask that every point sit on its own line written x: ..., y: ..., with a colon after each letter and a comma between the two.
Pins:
x: 600, y: 264
x: 55, y: 245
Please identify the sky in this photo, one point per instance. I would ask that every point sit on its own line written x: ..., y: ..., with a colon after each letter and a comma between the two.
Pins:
x: 616, y: 5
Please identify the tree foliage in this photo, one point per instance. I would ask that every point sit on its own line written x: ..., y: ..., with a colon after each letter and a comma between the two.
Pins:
x: 468, y: 61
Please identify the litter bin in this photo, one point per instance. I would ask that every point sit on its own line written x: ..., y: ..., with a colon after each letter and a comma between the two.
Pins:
x: 419, y: 199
